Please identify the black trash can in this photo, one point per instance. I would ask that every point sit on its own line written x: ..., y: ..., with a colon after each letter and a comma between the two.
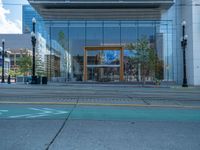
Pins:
x: 44, y: 80
x: 38, y: 79
x: 33, y: 80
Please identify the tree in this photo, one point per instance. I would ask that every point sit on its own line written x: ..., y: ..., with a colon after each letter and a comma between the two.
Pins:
x: 14, y: 73
x: 146, y: 57
x: 61, y: 39
x: 25, y: 64
x: 65, y: 56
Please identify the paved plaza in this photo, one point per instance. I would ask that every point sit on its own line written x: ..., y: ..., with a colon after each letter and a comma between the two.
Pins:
x: 99, y: 117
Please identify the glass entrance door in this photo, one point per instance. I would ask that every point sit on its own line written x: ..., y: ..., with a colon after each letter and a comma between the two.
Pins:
x: 103, y: 64
x: 106, y: 74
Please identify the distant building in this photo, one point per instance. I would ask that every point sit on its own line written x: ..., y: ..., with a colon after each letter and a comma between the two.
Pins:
x: 17, y: 41
x: 16, y: 46
x: 15, y: 55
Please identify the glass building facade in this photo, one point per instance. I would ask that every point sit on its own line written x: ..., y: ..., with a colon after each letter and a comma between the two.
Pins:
x: 148, y: 48
x: 147, y: 52
x: 42, y: 48
x: 28, y: 13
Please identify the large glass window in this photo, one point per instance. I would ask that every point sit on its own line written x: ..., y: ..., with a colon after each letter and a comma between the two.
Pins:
x: 94, y: 37
x: 94, y: 33
x: 59, y: 51
x: 129, y: 32
x: 111, y: 32
x: 77, y: 41
x: 164, y: 49
x: 148, y: 50
x: 129, y: 36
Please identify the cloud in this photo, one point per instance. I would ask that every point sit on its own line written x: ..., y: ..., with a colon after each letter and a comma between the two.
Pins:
x: 8, y: 26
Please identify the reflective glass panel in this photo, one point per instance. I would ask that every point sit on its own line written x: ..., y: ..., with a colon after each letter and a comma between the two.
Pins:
x: 77, y: 41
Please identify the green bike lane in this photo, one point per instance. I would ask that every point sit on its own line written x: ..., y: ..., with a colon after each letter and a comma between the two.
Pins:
x: 118, y: 113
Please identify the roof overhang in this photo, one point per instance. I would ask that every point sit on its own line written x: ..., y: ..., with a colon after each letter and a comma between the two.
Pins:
x: 67, y: 4
x: 56, y: 6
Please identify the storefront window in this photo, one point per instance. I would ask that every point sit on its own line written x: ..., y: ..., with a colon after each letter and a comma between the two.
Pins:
x: 147, y: 45
x: 59, y: 55
x: 77, y: 42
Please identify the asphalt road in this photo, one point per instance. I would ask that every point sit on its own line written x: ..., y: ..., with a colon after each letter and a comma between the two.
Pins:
x: 98, y: 117
x: 104, y: 94
x: 104, y: 113
x: 59, y: 127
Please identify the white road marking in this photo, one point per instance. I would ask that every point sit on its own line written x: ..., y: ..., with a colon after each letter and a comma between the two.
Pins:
x: 37, y: 115
x: 19, y: 116
x: 50, y: 111
x: 57, y: 111
x: 38, y: 112
x: 61, y: 112
x: 3, y: 110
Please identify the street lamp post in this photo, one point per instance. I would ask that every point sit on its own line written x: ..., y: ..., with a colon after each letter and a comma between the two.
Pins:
x: 2, y: 76
x: 33, y: 39
x: 183, y: 45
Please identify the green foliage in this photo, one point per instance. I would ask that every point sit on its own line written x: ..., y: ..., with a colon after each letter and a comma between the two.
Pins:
x: 64, y: 43
x: 146, y: 56
x: 14, y: 74
x: 25, y: 64
x: 62, y: 40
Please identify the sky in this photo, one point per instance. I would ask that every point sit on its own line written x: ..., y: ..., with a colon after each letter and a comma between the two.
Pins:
x: 11, y: 16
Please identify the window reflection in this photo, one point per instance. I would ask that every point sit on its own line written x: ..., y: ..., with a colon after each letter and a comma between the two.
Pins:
x: 111, y: 32
x: 103, y: 57
x: 147, y: 55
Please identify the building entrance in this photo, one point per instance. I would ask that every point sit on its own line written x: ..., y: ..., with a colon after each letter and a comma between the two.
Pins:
x: 104, y: 74
x: 103, y: 63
